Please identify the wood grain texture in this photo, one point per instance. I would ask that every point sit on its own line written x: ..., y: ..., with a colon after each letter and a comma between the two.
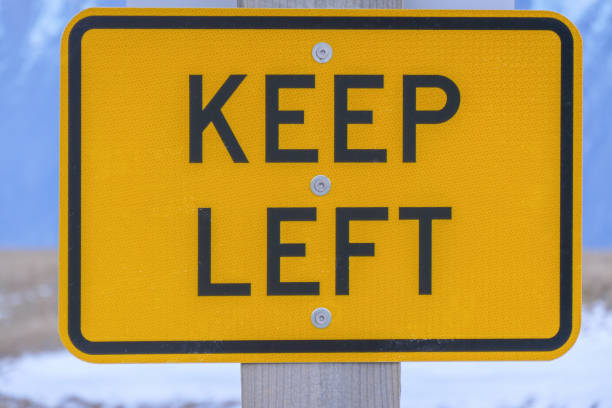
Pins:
x: 336, y: 4
x: 321, y: 385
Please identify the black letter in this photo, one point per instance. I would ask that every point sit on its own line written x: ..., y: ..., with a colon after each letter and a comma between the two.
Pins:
x: 343, y: 116
x: 344, y: 248
x: 413, y: 116
x: 205, y: 287
x: 274, y: 117
x: 425, y: 215
x: 199, y: 119
x: 276, y: 250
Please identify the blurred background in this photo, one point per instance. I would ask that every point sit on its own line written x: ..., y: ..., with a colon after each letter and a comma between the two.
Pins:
x: 35, y: 371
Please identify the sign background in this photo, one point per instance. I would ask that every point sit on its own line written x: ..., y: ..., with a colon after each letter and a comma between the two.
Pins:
x: 500, y: 265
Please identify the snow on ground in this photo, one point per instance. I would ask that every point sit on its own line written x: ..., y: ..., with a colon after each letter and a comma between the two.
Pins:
x: 581, y: 378
x: 55, y: 376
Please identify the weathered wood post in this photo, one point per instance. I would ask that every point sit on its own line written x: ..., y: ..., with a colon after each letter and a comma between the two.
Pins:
x: 328, y: 385
x: 322, y: 385
x: 309, y: 385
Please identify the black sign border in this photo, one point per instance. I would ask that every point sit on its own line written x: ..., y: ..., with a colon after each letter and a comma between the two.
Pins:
x: 316, y: 23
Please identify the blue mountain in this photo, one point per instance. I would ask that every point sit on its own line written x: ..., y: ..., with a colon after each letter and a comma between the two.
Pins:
x: 30, y: 34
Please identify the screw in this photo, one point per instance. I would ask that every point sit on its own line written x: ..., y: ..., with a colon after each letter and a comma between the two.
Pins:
x: 322, y: 52
x: 321, y: 317
x: 320, y: 185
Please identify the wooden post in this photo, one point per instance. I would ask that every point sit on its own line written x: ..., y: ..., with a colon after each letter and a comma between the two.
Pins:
x: 337, y: 4
x: 321, y: 385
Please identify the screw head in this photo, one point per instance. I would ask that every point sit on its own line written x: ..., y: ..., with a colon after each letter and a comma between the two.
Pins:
x: 320, y: 185
x: 322, y: 52
x: 321, y: 317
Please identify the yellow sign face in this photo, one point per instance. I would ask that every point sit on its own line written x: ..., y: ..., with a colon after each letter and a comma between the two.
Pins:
x: 444, y: 224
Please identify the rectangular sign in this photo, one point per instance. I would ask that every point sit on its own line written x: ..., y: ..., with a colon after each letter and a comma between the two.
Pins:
x: 320, y: 185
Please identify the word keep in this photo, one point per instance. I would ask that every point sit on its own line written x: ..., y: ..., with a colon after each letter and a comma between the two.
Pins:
x: 200, y: 118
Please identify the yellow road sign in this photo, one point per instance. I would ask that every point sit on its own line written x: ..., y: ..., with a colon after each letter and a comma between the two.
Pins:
x: 445, y: 224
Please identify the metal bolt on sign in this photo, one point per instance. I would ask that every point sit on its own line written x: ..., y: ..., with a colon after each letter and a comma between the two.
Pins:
x: 321, y: 317
x: 322, y: 52
x: 320, y: 185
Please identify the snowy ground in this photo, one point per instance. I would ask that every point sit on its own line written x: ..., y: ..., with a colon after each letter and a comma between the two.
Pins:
x: 581, y: 378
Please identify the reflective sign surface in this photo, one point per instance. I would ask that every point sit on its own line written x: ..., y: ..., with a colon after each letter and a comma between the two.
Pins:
x: 447, y: 226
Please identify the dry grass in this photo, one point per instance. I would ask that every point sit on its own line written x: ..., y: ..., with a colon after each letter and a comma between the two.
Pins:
x: 597, y: 277
x: 28, y: 297
x: 10, y: 402
x: 28, y: 301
